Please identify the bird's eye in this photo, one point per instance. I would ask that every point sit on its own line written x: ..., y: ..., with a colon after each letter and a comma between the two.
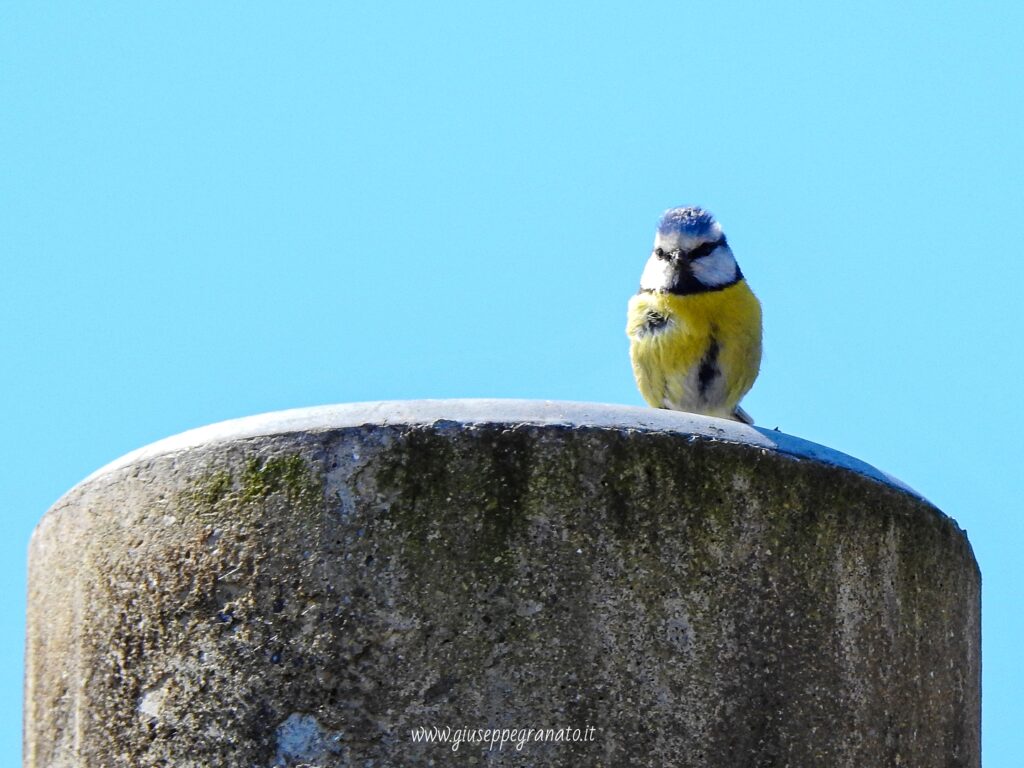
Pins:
x: 659, y: 253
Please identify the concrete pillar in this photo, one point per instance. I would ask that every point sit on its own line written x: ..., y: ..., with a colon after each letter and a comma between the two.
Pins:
x: 644, y: 588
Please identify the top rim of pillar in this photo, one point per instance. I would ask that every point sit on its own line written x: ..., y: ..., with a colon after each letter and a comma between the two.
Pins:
x: 470, y: 412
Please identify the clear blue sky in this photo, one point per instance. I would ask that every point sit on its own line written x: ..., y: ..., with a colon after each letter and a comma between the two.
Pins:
x: 210, y: 211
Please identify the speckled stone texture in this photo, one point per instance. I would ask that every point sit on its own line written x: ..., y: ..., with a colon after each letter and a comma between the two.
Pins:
x: 308, y: 588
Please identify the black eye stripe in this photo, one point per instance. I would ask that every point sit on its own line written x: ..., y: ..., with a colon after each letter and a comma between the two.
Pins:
x: 701, y: 250
x: 704, y: 249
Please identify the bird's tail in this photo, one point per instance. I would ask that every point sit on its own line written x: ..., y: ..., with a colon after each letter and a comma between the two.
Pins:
x: 740, y: 415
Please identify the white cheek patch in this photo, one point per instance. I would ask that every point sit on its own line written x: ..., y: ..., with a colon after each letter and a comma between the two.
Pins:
x: 717, y: 268
x: 657, y: 274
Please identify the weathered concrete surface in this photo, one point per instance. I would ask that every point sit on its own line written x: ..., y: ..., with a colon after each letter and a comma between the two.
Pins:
x: 306, y: 588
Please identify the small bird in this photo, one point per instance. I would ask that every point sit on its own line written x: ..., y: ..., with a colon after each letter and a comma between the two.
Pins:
x: 695, y: 326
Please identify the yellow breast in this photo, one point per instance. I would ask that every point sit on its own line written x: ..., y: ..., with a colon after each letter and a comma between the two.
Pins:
x: 698, y: 352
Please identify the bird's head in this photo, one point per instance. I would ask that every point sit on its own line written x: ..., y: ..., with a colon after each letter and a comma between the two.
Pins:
x: 690, y: 254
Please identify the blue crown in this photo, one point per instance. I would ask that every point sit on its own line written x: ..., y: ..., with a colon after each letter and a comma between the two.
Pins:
x: 691, y: 221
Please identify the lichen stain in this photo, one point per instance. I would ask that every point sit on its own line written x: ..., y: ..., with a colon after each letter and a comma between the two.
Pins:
x: 301, y: 740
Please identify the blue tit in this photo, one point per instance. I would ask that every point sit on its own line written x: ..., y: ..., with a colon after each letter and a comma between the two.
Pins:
x: 695, y: 326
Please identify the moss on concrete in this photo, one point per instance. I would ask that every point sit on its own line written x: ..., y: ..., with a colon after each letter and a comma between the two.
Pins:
x: 289, y: 474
